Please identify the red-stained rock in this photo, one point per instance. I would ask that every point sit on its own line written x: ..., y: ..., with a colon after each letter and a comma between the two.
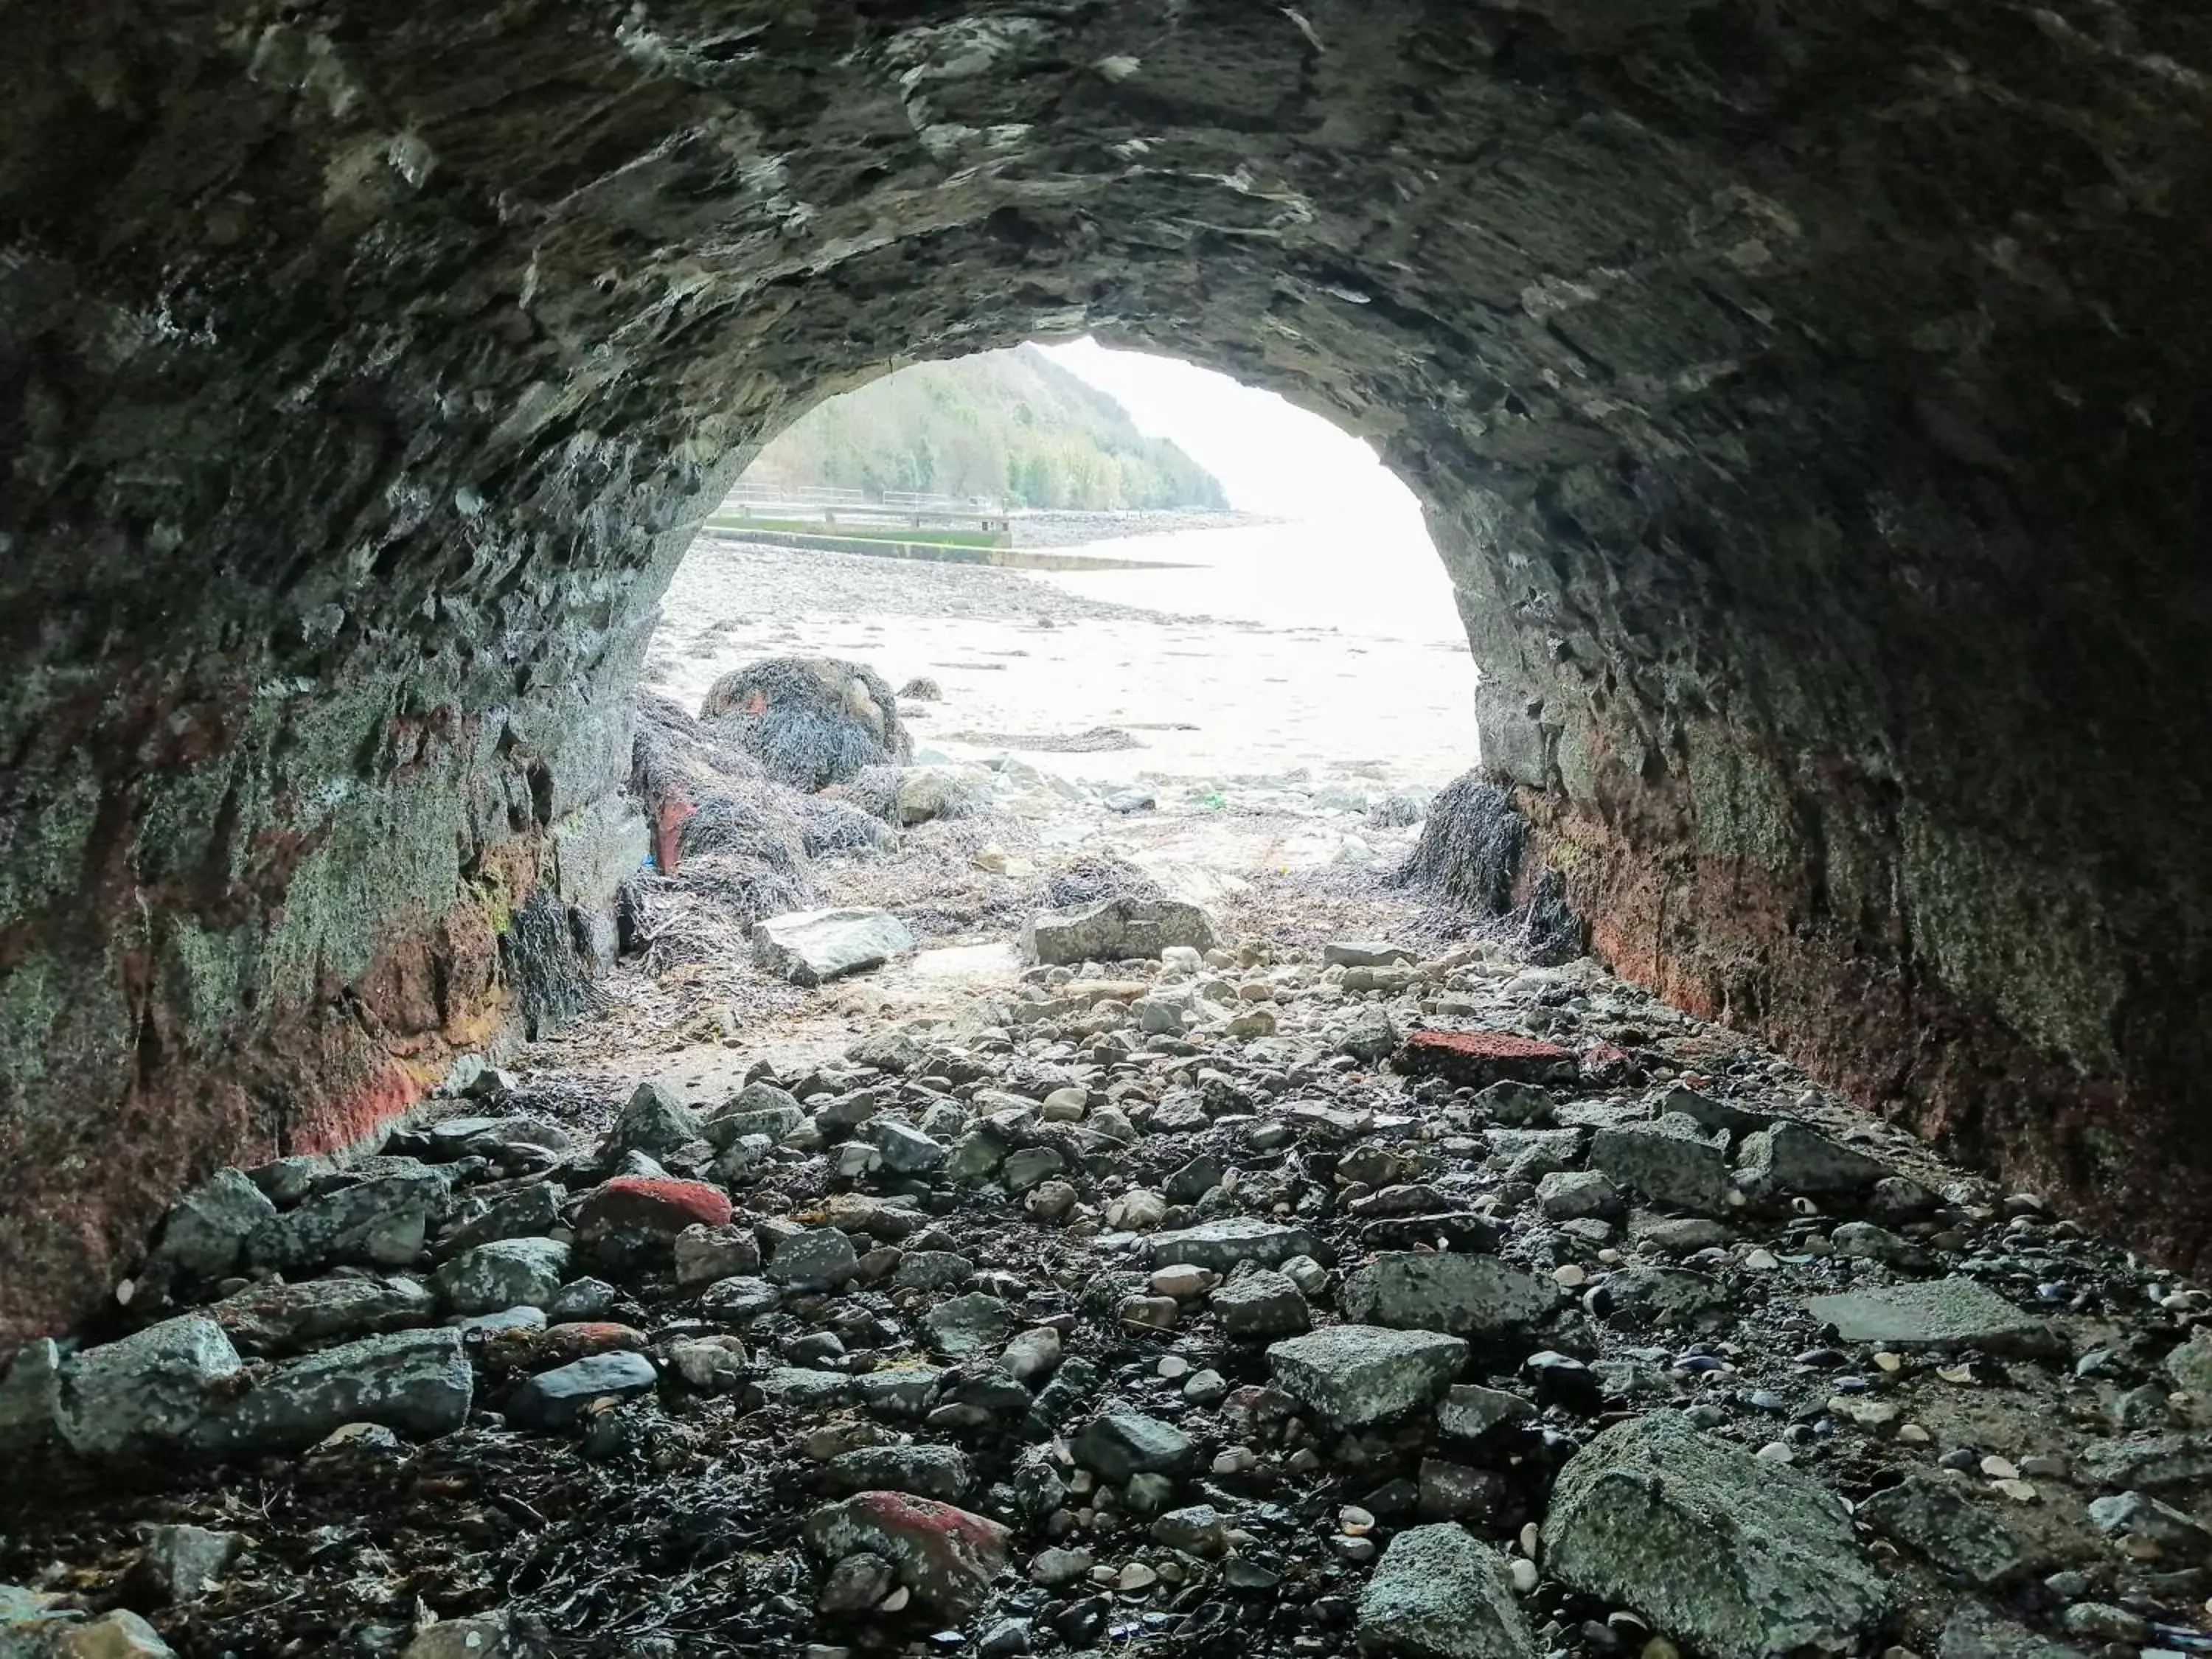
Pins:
x: 1479, y: 1059
x: 1604, y: 1062
x: 946, y: 1556
x: 647, y: 1203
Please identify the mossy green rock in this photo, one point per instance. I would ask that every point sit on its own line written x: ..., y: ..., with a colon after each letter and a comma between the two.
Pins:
x: 1736, y: 1558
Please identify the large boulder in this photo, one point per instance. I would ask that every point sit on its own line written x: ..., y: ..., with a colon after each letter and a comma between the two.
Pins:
x: 810, y: 946
x: 147, y: 1393
x: 810, y: 721
x: 1740, y: 1558
x: 1115, y: 930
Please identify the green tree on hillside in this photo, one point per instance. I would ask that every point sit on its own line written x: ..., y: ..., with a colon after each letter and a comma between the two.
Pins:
x: 1011, y: 425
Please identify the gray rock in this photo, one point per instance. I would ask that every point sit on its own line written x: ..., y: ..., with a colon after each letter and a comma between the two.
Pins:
x: 1260, y: 1305
x: 1368, y: 1036
x: 704, y: 1254
x: 820, y: 1258
x: 2191, y: 1365
x: 1468, y: 1411
x: 939, y: 1471
x: 964, y: 1325
x: 1942, y: 1313
x: 1669, y: 1298
x: 181, y: 1562
x: 1467, y: 1295
x: 653, y: 1122
x: 383, y: 1219
x: 758, y: 1109
x: 975, y: 1158
x: 1222, y: 1245
x: 1029, y: 1167
x: 1936, y: 1519
x: 1515, y: 1104
x: 1677, y: 1235
x: 532, y: 1212
x: 1347, y: 1376
x: 483, y: 1636
x: 508, y: 1273
x: 147, y: 1393
x: 206, y: 1230
x: 1568, y: 1195
x: 555, y: 1399
x: 1670, y: 1160
x: 1116, y: 1444
x: 810, y: 947
x: 277, y: 1318
x: 418, y: 1382
x: 1790, y: 1160
x: 1439, y: 1593
x: 1365, y: 953
x: 30, y: 1395
x: 1115, y: 929
x: 1708, y: 1113
x: 741, y: 1297
x: 1974, y: 1632
x: 905, y: 1150
x: 933, y: 1270
x: 2135, y: 1515
x: 1740, y: 1558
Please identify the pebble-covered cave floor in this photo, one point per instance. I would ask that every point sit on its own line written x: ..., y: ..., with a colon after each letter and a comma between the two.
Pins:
x: 1063, y: 1249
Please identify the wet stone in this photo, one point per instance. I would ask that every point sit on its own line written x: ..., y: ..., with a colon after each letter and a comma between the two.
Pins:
x: 1735, y: 1556
x: 509, y: 1272
x: 1942, y: 1523
x: 1440, y: 1593
x: 817, y: 1258
x: 1789, y: 1159
x: 29, y: 1396
x: 206, y: 1230
x: 1940, y: 1314
x: 147, y: 1393
x: 417, y: 1382
x: 653, y: 1122
x: 1347, y: 1376
x: 1470, y: 1411
x: 1220, y: 1245
x: 1260, y: 1305
x: 939, y: 1471
x: 947, y: 1557
x: 383, y: 1220
x: 555, y: 1399
x: 966, y: 1325
x: 1671, y: 1160
x: 277, y: 1318
x: 182, y: 1562
x: 1467, y: 1296
x: 1118, y: 1444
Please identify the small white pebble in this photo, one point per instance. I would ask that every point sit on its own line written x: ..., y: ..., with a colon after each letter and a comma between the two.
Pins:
x: 1774, y: 1451
x: 1569, y: 1276
x: 1524, y: 1576
x: 2000, y: 1469
x: 1762, y: 1262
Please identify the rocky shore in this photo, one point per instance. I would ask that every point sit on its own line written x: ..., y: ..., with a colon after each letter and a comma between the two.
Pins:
x: 1232, y: 1297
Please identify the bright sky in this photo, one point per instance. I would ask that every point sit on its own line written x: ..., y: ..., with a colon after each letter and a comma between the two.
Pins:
x: 1271, y: 456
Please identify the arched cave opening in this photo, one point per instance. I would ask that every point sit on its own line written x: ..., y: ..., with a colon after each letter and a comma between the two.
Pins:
x: 1808, y: 406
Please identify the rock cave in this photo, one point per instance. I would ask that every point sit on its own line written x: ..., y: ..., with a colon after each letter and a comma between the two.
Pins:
x: 1809, y: 403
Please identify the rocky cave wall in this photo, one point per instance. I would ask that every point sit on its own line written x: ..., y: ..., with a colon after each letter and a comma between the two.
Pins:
x: 1809, y: 400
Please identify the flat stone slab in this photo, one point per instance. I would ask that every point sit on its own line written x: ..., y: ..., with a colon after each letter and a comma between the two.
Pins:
x: 1940, y: 1313
x: 1466, y: 1296
x: 1942, y: 1523
x: 1350, y: 1376
x: 418, y: 1382
x: 146, y: 1393
x: 1736, y: 1558
x: 1116, y: 930
x: 1222, y: 1245
x: 1440, y: 1593
x: 810, y: 946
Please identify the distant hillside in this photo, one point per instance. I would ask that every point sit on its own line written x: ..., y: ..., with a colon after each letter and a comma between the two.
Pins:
x: 1010, y: 425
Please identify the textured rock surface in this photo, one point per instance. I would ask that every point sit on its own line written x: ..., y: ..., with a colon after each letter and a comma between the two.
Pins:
x: 1440, y: 1594
x: 1739, y: 1558
x: 1809, y: 405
